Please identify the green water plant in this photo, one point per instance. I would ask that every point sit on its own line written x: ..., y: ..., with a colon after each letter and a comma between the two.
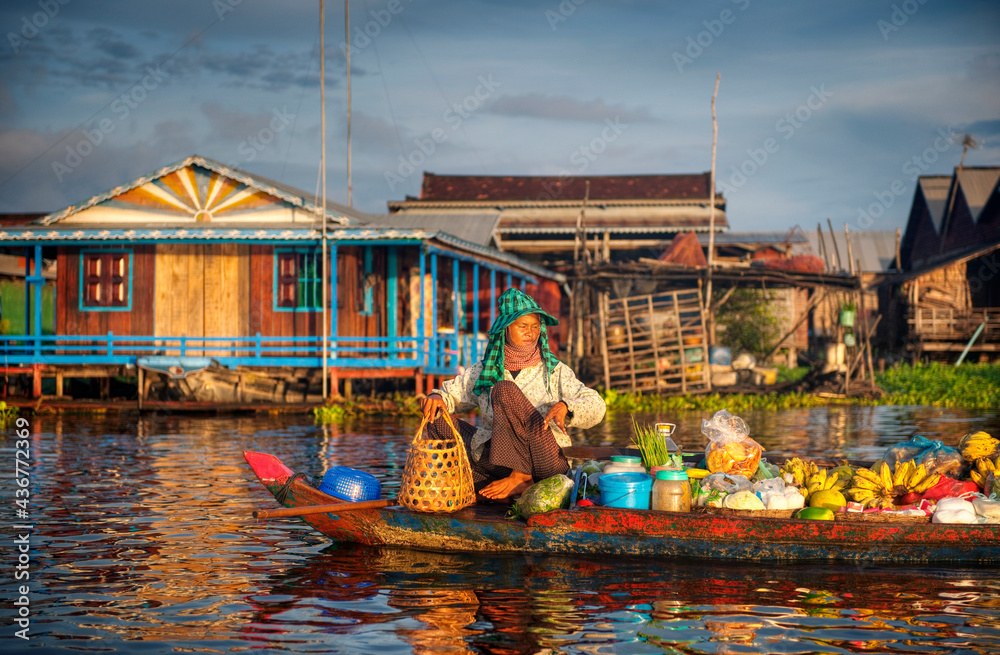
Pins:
x: 7, y: 414
x: 326, y: 414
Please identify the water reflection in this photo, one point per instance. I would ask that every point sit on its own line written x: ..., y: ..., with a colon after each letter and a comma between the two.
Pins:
x: 143, y: 535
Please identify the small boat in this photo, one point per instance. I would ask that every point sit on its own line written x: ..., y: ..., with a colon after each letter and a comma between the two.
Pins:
x: 603, y: 531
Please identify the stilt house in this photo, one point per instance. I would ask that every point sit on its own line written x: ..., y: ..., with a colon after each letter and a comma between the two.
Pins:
x: 200, y: 269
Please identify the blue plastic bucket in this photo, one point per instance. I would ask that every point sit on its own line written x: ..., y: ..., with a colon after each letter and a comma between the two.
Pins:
x: 720, y: 355
x: 351, y: 484
x: 630, y: 490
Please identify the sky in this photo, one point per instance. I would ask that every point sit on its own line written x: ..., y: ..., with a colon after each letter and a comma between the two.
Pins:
x: 825, y: 110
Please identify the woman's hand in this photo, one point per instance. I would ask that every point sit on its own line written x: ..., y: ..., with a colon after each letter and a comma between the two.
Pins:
x: 432, y: 405
x: 558, y: 413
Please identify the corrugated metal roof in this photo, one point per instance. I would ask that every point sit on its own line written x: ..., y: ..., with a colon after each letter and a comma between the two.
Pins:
x: 977, y: 186
x: 475, y: 228
x: 753, y: 238
x: 935, y: 189
x: 875, y: 249
x: 510, y: 187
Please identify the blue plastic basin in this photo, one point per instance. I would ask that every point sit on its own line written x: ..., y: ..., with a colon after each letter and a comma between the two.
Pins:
x: 629, y: 490
x: 351, y: 484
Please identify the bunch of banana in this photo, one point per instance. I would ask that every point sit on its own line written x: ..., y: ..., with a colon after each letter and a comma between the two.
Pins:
x: 983, y: 467
x: 881, y: 487
x: 871, y: 488
x: 797, y: 470
x: 819, y: 479
x: 977, y: 445
x: 915, y: 479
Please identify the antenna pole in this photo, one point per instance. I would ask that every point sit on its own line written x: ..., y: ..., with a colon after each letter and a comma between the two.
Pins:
x: 322, y: 165
x: 347, y: 37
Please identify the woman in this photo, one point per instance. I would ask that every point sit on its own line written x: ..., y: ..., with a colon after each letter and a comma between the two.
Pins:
x: 521, y: 389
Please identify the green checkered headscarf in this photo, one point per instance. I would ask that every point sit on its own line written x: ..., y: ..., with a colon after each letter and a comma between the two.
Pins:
x: 513, y: 304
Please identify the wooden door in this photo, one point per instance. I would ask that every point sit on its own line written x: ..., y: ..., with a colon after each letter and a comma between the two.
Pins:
x: 202, y: 290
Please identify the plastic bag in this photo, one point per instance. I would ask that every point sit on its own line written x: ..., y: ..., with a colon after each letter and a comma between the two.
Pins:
x: 726, y: 483
x: 940, y: 459
x: 766, y: 471
x: 903, y: 451
x: 730, y: 448
x: 950, y: 488
x: 548, y: 494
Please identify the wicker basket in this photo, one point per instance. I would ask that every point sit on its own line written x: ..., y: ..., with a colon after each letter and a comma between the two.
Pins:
x: 437, y: 476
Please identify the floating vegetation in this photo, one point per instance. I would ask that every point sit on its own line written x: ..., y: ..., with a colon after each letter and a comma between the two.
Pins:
x: 7, y: 414
x: 975, y: 386
x: 328, y: 414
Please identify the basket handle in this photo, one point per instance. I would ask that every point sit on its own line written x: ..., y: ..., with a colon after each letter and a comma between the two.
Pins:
x: 419, y: 436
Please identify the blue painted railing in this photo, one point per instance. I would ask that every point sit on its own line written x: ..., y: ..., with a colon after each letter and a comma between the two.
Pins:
x: 441, y: 355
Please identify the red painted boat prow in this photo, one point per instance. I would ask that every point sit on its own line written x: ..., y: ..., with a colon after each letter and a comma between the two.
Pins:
x: 605, y: 531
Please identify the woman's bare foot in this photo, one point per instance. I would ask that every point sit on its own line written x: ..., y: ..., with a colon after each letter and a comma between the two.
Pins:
x: 512, y: 485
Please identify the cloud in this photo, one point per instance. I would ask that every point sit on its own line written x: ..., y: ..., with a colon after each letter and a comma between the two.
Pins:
x: 232, y: 124
x: 563, y: 108
x: 111, y: 43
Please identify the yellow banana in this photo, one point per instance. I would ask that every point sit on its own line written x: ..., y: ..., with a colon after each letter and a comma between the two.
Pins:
x: 867, y: 474
x: 917, y: 476
x: 927, y: 483
x: 864, y: 483
x: 977, y: 477
x: 886, y: 475
x: 902, y: 470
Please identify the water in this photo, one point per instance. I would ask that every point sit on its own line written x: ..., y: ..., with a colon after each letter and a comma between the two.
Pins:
x: 143, y: 542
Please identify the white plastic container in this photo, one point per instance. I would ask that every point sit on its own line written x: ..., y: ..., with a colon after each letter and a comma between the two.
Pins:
x: 624, y: 464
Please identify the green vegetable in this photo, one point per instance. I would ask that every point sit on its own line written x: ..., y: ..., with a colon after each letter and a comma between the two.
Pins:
x: 548, y: 494
x: 652, y: 446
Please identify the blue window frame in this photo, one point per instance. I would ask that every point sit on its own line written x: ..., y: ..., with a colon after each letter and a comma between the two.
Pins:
x: 297, y: 280
x: 106, y: 280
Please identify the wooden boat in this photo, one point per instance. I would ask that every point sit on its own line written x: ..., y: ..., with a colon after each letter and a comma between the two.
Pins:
x: 604, y: 531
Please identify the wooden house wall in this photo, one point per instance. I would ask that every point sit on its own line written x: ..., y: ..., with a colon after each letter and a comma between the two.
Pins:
x: 202, y: 290
x: 263, y: 316
x: 138, y: 320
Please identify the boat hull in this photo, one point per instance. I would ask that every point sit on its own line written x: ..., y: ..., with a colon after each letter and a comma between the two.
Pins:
x: 599, y: 531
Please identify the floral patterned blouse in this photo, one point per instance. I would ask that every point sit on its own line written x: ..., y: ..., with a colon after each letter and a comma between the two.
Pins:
x: 586, y: 407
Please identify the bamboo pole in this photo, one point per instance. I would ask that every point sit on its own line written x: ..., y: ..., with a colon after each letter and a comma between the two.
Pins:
x: 850, y: 252
x: 836, y: 248
x: 711, y: 216
x: 602, y: 299
x: 322, y: 509
x: 628, y: 333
